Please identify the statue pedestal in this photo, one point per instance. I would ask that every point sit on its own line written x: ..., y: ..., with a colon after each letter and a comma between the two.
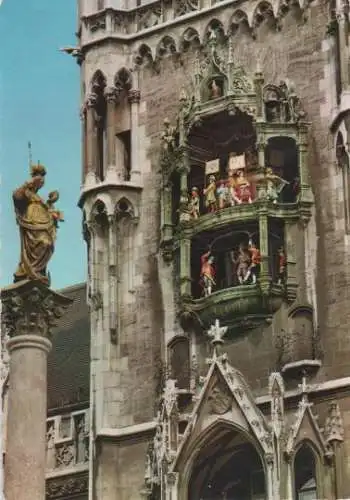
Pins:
x: 30, y: 310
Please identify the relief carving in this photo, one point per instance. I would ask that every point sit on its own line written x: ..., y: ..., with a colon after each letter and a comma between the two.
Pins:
x: 220, y: 399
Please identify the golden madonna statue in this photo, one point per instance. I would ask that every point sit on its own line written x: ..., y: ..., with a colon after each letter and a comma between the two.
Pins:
x: 38, y: 221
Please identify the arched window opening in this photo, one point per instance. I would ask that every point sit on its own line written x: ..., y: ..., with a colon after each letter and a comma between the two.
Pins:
x: 179, y: 360
x: 123, y: 84
x: 343, y: 164
x: 305, y: 474
x: 98, y: 87
x: 223, y: 161
x: 281, y: 156
x: 228, y: 468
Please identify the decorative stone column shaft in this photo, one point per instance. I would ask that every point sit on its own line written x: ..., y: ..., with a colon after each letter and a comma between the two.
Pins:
x: 83, y: 142
x: 29, y: 312
x: 343, y: 28
x: 265, y: 278
x: 134, y: 96
x: 111, y: 95
x: 91, y: 140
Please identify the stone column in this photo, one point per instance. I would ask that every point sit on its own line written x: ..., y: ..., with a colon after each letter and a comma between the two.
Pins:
x: 83, y: 142
x: 91, y: 141
x: 111, y: 96
x: 343, y: 24
x: 29, y: 312
x: 264, y: 278
x: 134, y: 96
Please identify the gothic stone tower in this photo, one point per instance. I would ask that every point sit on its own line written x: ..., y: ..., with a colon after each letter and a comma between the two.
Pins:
x: 215, y: 197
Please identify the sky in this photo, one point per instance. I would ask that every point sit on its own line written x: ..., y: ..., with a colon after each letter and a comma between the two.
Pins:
x: 40, y: 102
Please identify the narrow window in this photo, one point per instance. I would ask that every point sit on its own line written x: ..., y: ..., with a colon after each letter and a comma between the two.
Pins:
x: 305, y: 474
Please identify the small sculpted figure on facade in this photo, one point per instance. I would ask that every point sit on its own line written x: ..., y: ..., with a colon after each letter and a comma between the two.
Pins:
x: 194, y: 203
x: 37, y: 221
x: 241, y: 264
x: 274, y: 184
x: 231, y: 186
x: 222, y: 194
x: 168, y: 136
x: 81, y: 443
x: 210, y: 195
x: 282, y: 262
x: 50, y: 447
x: 255, y: 259
x: 243, y: 188
x: 57, y: 215
x: 207, y: 276
x: 215, y: 90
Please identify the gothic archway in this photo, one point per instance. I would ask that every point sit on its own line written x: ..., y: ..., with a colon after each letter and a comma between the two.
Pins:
x: 228, y: 467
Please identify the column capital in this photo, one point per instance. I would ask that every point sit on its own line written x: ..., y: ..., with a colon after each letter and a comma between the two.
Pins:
x: 111, y: 94
x: 134, y: 96
x: 31, y: 308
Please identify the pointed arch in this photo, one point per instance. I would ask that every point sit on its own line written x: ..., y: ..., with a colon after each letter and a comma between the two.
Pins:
x: 123, y: 79
x: 239, y: 21
x: 263, y: 13
x: 144, y: 56
x: 214, y: 28
x: 166, y: 47
x: 217, y: 446
x: 98, y: 82
x: 306, y: 471
x: 190, y: 38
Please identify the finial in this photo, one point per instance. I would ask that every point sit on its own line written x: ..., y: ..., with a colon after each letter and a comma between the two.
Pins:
x: 304, y: 388
x: 216, y: 332
x: 30, y: 153
x: 183, y: 95
x: 258, y: 72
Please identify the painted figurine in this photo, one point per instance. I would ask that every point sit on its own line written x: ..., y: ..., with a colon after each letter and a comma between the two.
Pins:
x: 194, y: 203
x: 207, y: 276
x: 243, y: 191
x: 221, y: 193
x: 282, y: 262
x: 210, y: 195
x: 255, y: 260
x: 242, y: 263
x: 274, y: 185
x: 231, y: 186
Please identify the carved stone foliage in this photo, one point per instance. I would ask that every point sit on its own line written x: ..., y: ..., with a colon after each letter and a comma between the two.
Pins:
x: 64, y: 487
x: 185, y: 6
x: 148, y: 16
x: 31, y: 308
x: 334, y: 429
x: 96, y: 22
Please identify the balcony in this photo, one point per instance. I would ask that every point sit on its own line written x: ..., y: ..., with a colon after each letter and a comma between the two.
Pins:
x: 240, y: 307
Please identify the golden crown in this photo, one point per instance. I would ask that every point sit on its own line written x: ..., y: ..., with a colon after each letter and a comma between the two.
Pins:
x: 37, y: 170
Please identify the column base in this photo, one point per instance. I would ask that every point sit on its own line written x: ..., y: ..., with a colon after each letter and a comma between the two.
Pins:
x: 112, y: 175
x: 90, y: 180
x: 135, y: 177
x: 29, y: 341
